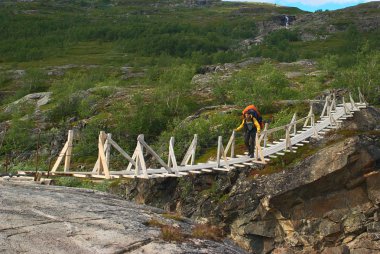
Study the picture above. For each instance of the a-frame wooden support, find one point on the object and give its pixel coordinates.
(172, 161)
(102, 163)
(347, 112)
(139, 160)
(231, 146)
(259, 156)
(221, 153)
(293, 124)
(190, 153)
(362, 100)
(353, 104)
(288, 141)
(66, 153)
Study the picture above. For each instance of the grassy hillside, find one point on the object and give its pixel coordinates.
(129, 67)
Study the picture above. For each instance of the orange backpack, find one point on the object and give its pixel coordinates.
(256, 114)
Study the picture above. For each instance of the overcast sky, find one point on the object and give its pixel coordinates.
(311, 5)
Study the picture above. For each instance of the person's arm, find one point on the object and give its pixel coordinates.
(240, 126)
(256, 124)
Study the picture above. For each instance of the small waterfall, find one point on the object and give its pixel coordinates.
(286, 21)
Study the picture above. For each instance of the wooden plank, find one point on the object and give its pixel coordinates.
(273, 156)
(239, 165)
(172, 175)
(299, 144)
(195, 172)
(258, 162)
(206, 170)
(279, 153)
(222, 169)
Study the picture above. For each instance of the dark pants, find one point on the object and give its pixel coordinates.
(249, 140)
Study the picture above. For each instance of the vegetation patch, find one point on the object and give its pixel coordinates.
(206, 231)
(173, 216)
(171, 233)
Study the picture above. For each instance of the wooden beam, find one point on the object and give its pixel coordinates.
(69, 151)
(60, 157)
(122, 152)
(155, 155)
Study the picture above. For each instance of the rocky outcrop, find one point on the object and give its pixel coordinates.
(47, 219)
(326, 201)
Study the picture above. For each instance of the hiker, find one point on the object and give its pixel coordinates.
(251, 126)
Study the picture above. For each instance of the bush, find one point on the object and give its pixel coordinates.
(205, 231)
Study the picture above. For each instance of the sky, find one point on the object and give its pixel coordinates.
(311, 5)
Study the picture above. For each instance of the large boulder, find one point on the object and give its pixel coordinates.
(52, 219)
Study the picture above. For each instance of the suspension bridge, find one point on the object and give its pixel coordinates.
(270, 143)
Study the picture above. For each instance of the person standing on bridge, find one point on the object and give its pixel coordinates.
(251, 126)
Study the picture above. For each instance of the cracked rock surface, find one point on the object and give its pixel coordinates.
(52, 219)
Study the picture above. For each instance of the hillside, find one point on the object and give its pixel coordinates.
(183, 67)
(107, 65)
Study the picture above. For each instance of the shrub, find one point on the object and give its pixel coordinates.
(205, 231)
(171, 233)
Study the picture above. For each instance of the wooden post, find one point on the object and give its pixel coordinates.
(288, 143)
(134, 157)
(309, 116)
(221, 153)
(293, 124)
(362, 100)
(66, 150)
(331, 117)
(60, 157)
(108, 149)
(219, 149)
(103, 167)
(315, 132)
(140, 161)
(325, 107)
(347, 111)
(333, 103)
(353, 106)
(171, 158)
(258, 150)
(190, 154)
(265, 134)
(69, 151)
(231, 145)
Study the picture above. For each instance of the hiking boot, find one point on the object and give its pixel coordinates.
(251, 155)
